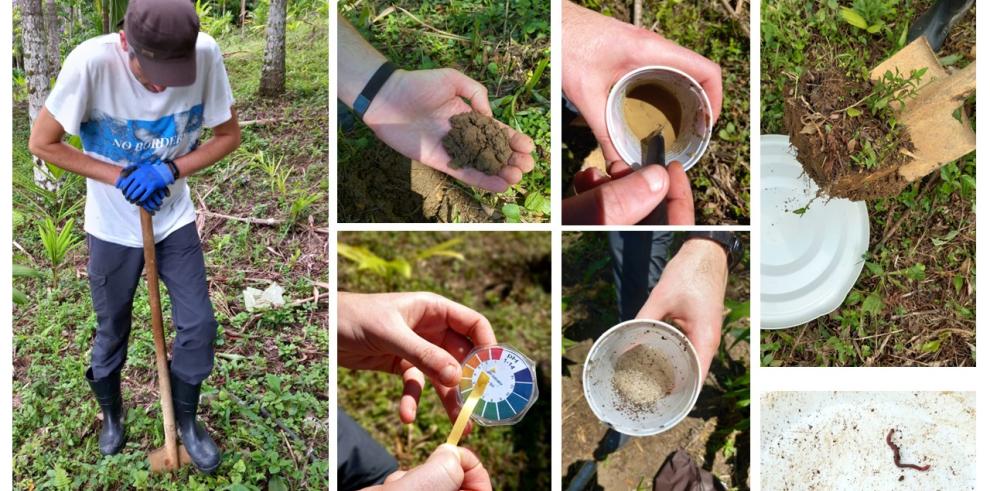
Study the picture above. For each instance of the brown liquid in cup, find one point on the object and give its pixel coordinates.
(648, 108)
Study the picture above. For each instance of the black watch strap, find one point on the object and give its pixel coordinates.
(363, 101)
(726, 239)
(174, 168)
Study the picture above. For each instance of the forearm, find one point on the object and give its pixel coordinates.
(71, 159)
(357, 61)
(226, 138)
(710, 258)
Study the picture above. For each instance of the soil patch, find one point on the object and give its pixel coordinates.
(827, 138)
(477, 141)
(641, 378)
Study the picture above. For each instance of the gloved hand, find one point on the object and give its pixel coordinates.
(139, 182)
(154, 202)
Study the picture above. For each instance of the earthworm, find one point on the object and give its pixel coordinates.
(897, 455)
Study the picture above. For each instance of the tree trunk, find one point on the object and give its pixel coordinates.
(36, 69)
(273, 67)
(243, 12)
(106, 15)
(54, 38)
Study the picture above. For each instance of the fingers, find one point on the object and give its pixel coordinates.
(470, 89)
(523, 161)
(706, 72)
(476, 477)
(462, 319)
(441, 472)
(395, 476)
(680, 203)
(412, 388)
(622, 201)
(519, 142)
(511, 174)
(448, 397)
(589, 178)
(478, 179)
(432, 360)
(705, 337)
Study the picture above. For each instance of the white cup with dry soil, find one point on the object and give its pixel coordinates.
(662, 100)
(642, 377)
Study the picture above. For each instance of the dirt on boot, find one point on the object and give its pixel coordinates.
(477, 141)
(828, 139)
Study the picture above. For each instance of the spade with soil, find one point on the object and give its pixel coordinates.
(933, 127)
(477, 141)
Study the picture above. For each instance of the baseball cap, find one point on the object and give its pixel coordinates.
(163, 34)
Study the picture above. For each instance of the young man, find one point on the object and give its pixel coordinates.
(139, 100)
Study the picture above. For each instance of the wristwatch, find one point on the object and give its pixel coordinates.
(728, 241)
(174, 168)
(363, 101)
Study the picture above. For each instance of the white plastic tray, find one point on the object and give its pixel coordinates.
(809, 262)
(837, 440)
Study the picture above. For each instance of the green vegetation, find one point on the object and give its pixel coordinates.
(505, 48)
(506, 277)
(914, 303)
(270, 366)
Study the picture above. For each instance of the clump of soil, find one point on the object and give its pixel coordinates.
(827, 138)
(477, 141)
(641, 378)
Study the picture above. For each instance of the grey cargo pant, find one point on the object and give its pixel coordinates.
(638, 260)
(114, 272)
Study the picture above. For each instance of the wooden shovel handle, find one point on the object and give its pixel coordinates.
(158, 332)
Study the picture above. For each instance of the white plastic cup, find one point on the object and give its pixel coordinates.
(694, 129)
(684, 371)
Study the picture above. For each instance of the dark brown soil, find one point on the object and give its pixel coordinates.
(827, 138)
(477, 141)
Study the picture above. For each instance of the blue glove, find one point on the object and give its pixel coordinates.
(139, 182)
(154, 202)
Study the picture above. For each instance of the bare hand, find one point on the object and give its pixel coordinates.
(411, 114)
(691, 294)
(411, 334)
(628, 197)
(450, 468)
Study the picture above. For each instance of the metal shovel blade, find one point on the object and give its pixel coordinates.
(161, 461)
(933, 117)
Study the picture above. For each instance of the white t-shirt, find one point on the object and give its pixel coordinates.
(121, 122)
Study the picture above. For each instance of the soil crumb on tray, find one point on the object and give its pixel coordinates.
(848, 156)
(641, 378)
(477, 141)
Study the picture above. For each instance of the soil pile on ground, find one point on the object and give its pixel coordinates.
(477, 141)
(641, 378)
(827, 137)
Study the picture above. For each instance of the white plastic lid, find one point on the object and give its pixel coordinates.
(808, 261)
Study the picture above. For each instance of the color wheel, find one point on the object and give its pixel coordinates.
(511, 390)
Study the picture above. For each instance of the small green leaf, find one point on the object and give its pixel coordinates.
(537, 203)
(873, 304)
(957, 114)
(493, 68)
(874, 268)
(949, 60)
(511, 212)
(801, 211)
(957, 282)
(932, 346)
(875, 28)
(853, 18)
(916, 272)
(852, 112)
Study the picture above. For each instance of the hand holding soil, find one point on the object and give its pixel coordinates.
(477, 141)
(412, 114)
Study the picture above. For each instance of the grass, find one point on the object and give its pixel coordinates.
(721, 181)
(914, 304)
(506, 49)
(269, 367)
(717, 431)
(504, 276)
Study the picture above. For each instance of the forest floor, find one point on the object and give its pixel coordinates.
(501, 48)
(270, 367)
(915, 301)
(715, 433)
(506, 277)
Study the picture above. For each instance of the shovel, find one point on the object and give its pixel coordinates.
(172, 455)
(934, 117)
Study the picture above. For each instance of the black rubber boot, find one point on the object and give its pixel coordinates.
(107, 391)
(936, 22)
(204, 453)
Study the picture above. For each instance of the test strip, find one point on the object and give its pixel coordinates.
(467, 409)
